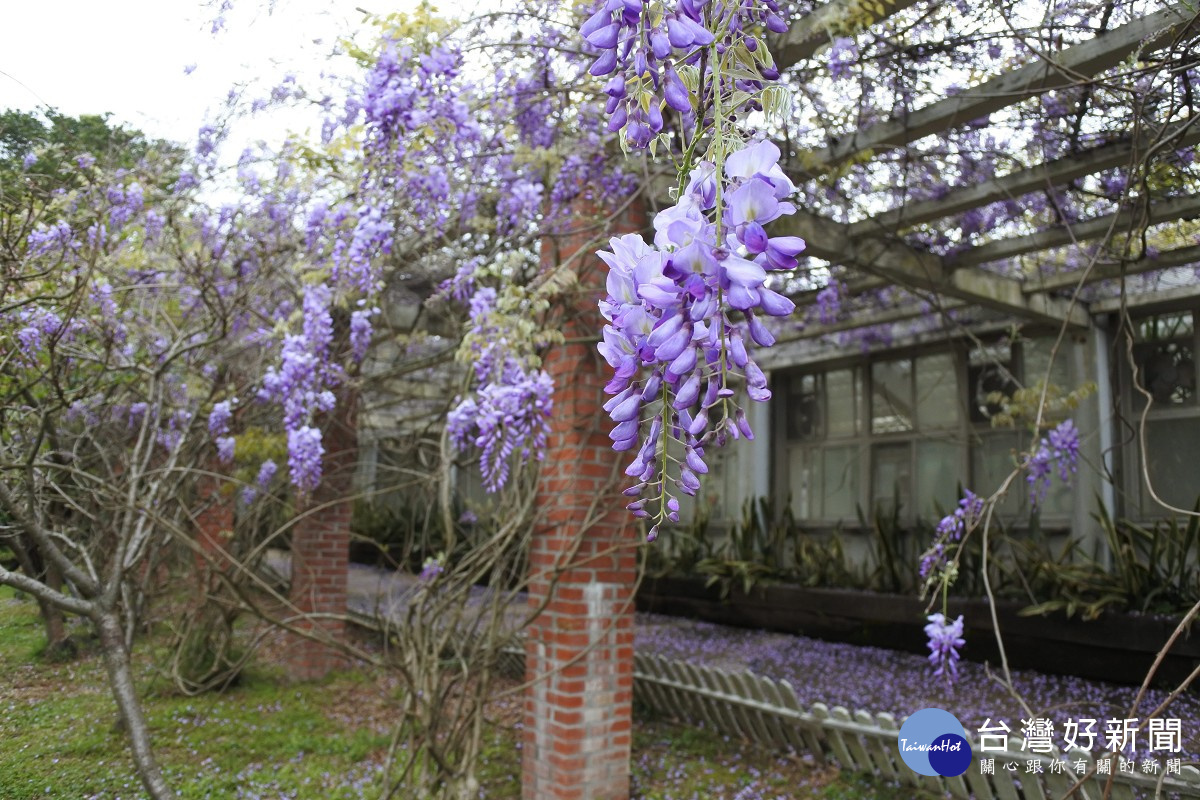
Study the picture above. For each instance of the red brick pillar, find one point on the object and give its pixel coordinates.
(579, 650)
(321, 547)
(214, 527)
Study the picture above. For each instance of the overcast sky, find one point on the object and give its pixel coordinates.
(129, 57)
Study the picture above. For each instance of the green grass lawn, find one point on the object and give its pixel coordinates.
(266, 738)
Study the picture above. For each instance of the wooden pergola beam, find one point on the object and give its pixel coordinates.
(1024, 181)
(866, 284)
(900, 264)
(1162, 296)
(1082, 61)
(1175, 257)
(1176, 208)
(810, 33)
(882, 318)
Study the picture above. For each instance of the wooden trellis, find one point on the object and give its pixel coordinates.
(875, 248)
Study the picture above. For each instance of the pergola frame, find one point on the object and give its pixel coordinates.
(876, 248)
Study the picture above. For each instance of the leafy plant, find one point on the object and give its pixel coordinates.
(404, 533)
(754, 550)
(1152, 570)
(893, 552)
(822, 562)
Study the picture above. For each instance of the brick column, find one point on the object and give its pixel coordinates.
(321, 546)
(214, 526)
(579, 650)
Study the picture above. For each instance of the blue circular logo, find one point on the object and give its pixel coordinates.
(933, 742)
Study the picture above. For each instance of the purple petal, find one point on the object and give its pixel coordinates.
(684, 363)
(677, 344)
(688, 393)
(758, 332)
(604, 38)
(624, 430)
(627, 410)
(741, 297)
(754, 237)
(675, 93)
(605, 64)
(596, 22)
(660, 44)
(774, 303)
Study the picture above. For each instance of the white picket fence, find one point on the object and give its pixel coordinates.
(767, 712)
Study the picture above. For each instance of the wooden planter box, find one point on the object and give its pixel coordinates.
(1115, 647)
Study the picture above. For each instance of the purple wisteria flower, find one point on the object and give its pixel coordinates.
(360, 333)
(54, 238)
(431, 569)
(225, 448)
(945, 638)
(642, 44)
(842, 56)
(950, 531)
(302, 384)
(829, 302)
(1059, 448)
(266, 473)
(1064, 447)
(220, 417)
(507, 416)
(679, 313)
(304, 457)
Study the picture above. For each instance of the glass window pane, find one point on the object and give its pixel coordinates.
(840, 481)
(891, 477)
(1174, 469)
(1060, 497)
(720, 495)
(802, 408)
(1166, 326)
(1036, 355)
(939, 472)
(989, 371)
(937, 391)
(891, 396)
(991, 463)
(1167, 371)
(841, 402)
(986, 381)
(803, 482)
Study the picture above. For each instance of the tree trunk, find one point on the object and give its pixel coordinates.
(33, 565)
(120, 677)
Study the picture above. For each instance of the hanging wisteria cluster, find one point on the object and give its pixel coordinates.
(509, 413)
(684, 311)
(945, 639)
(302, 386)
(950, 531)
(680, 314)
(457, 163)
(646, 45)
(1058, 449)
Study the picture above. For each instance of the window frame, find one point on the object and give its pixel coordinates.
(1138, 504)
